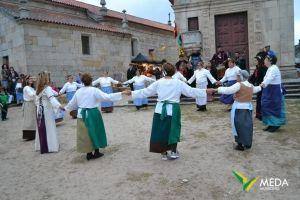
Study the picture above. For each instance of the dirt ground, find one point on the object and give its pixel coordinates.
(129, 171)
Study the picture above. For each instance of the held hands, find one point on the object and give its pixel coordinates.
(211, 91)
(218, 83)
(126, 92)
(262, 85)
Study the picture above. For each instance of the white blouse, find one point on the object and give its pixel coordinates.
(90, 97)
(28, 93)
(273, 76)
(201, 76)
(139, 80)
(231, 74)
(234, 89)
(168, 90)
(48, 94)
(179, 76)
(105, 81)
(70, 87)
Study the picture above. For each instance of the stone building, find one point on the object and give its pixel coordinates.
(67, 36)
(245, 26)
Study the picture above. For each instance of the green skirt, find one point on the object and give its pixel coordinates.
(90, 131)
(160, 134)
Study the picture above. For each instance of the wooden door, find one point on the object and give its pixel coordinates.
(232, 34)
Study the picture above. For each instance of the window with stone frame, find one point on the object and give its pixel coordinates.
(85, 41)
(193, 24)
(134, 47)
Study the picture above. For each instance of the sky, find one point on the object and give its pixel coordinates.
(158, 10)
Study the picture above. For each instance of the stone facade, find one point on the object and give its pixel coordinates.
(270, 22)
(36, 45)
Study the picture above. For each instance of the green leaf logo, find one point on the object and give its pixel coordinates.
(247, 184)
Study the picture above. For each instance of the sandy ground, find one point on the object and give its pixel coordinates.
(129, 171)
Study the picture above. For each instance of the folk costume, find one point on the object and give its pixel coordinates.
(106, 87)
(201, 76)
(138, 84)
(46, 140)
(70, 89)
(272, 100)
(91, 133)
(230, 79)
(241, 112)
(166, 127)
(29, 113)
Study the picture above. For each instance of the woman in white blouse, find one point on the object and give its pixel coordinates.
(166, 125)
(272, 99)
(229, 77)
(139, 83)
(70, 88)
(29, 110)
(241, 113)
(201, 75)
(46, 140)
(105, 83)
(91, 133)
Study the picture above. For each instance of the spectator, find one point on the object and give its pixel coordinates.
(219, 57)
(12, 81)
(240, 61)
(4, 76)
(3, 103)
(269, 51)
(19, 91)
(78, 78)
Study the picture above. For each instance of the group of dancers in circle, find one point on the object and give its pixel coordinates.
(41, 103)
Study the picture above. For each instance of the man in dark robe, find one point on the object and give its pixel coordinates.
(131, 72)
(240, 61)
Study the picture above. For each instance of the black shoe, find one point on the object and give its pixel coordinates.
(267, 128)
(97, 154)
(89, 156)
(239, 147)
(273, 129)
(247, 147)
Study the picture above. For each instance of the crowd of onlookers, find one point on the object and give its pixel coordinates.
(12, 84)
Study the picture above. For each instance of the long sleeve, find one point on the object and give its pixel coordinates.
(211, 78)
(79, 85)
(72, 105)
(52, 99)
(192, 92)
(30, 93)
(101, 96)
(268, 77)
(129, 81)
(256, 89)
(192, 79)
(113, 81)
(146, 92)
(63, 90)
(182, 78)
(224, 77)
(149, 79)
(230, 90)
(94, 83)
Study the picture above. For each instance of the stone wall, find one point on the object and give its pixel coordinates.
(269, 22)
(162, 41)
(12, 43)
(58, 49)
